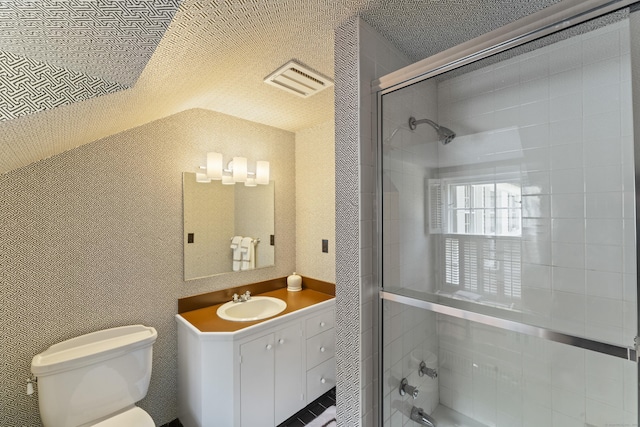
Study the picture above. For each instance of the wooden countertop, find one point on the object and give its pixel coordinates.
(206, 319)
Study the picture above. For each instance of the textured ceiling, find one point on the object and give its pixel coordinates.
(214, 54)
(108, 39)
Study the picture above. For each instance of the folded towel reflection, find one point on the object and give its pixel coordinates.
(247, 251)
(326, 419)
(237, 252)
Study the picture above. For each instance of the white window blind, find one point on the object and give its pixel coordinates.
(452, 261)
(487, 266)
(435, 206)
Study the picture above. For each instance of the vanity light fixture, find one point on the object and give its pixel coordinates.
(236, 171)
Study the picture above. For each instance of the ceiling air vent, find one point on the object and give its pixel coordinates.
(297, 79)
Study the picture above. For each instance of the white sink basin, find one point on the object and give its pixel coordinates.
(257, 308)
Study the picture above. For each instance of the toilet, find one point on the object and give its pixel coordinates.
(96, 379)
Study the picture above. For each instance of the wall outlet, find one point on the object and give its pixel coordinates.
(325, 246)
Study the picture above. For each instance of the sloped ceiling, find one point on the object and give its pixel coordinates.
(126, 63)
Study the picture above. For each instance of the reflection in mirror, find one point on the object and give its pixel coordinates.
(214, 214)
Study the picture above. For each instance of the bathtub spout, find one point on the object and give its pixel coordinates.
(422, 418)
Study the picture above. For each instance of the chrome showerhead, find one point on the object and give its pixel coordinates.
(445, 134)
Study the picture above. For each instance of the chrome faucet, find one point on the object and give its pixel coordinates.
(405, 388)
(418, 415)
(430, 372)
(242, 298)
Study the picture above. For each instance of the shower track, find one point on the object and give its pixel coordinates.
(628, 353)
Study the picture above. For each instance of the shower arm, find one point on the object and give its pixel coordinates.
(413, 123)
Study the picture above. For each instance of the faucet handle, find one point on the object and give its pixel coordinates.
(236, 298)
(247, 296)
(430, 372)
(406, 388)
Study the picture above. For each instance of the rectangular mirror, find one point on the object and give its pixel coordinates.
(214, 214)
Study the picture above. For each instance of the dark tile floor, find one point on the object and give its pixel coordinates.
(312, 410)
(300, 419)
(174, 423)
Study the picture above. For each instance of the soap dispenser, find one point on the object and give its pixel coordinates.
(294, 282)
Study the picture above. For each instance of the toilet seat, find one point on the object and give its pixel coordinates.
(134, 417)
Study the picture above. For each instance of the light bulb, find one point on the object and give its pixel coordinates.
(239, 169)
(262, 172)
(214, 165)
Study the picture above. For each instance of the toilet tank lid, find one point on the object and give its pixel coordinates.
(92, 348)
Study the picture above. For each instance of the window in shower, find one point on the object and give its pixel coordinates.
(484, 208)
(483, 223)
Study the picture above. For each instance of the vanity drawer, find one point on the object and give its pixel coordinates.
(320, 323)
(321, 379)
(321, 347)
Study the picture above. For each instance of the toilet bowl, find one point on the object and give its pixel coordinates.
(132, 417)
(96, 379)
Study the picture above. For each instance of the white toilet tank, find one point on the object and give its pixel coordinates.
(87, 379)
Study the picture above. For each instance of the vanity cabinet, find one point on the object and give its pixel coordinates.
(256, 376)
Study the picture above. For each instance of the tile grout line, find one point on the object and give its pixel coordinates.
(298, 420)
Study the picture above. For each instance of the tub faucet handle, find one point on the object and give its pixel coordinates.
(405, 388)
(430, 372)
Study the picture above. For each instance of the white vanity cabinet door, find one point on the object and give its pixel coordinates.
(272, 377)
(257, 382)
(289, 372)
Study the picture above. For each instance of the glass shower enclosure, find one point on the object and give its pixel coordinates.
(508, 228)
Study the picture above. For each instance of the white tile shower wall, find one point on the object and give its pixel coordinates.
(571, 102)
(412, 339)
(407, 165)
(578, 252)
(504, 379)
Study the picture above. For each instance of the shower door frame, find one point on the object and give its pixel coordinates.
(552, 19)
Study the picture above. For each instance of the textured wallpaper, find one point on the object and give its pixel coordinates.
(362, 55)
(348, 315)
(108, 39)
(55, 53)
(316, 201)
(28, 86)
(92, 238)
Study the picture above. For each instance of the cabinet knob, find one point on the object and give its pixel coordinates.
(322, 324)
(269, 347)
(281, 341)
(322, 380)
(322, 349)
